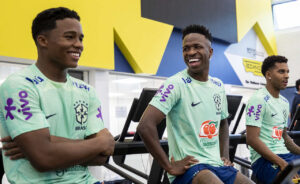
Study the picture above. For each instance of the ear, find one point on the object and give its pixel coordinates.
(211, 50)
(42, 40)
(268, 75)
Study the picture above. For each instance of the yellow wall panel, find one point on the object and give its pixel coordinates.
(256, 14)
(143, 40)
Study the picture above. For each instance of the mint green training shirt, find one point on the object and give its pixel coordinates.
(271, 116)
(30, 101)
(193, 112)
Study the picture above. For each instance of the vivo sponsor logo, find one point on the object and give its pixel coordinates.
(258, 111)
(25, 110)
(164, 92)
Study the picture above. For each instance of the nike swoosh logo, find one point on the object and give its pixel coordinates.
(47, 117)
(194, 104)
(273, 115)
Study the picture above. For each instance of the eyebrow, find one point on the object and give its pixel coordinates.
(73, 32)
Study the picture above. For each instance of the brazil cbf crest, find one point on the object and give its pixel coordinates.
(81, 111)
(218, 103)
(208, 129)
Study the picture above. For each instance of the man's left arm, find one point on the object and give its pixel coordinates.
(14, 151)
(95, 128)
(224, 142)
(289, 143)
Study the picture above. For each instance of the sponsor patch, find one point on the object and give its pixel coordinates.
(208, 129)
(164, 92)
(23, 109)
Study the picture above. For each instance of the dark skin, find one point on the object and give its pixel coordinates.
(196, 52)
(277, 79)
(58, 50)
(148, 132)
(13, 151)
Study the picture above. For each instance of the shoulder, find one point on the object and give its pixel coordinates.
(178, 79)
(20, 79)
(260, 96)
(283, 99)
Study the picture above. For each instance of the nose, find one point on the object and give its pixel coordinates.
(287, 75)
(191, 51)
(78, 44)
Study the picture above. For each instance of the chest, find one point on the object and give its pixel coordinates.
(66, 109)
(203, 99)
(276, 113)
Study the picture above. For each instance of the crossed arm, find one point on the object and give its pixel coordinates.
(46, 152)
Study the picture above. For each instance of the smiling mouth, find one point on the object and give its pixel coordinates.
(75, 55)
(193, 60)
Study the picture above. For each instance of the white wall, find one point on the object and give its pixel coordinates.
(99, 80)
(288, 45)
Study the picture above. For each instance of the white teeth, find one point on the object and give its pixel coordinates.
(75, 54)
(193, 60)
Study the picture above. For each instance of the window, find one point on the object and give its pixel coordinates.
(286, 14)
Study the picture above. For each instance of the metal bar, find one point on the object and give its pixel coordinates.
(122, 173)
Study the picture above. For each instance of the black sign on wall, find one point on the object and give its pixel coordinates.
(219, 16)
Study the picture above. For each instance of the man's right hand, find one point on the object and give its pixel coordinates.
(12, 150)
(107, 142)
(283, 165)
(179, 167)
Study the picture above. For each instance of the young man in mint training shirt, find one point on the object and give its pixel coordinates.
(266, 119)
(51, 123)
(195, 108)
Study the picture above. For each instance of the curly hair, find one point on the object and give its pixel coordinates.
(270, 62)
(297, 84)
(46, 20)
(197, 29)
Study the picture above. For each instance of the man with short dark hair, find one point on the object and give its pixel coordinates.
(51, 118)
(296, 101)
(266, 120)
(195, 108)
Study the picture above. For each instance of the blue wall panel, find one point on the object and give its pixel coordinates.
(220, 66)
(172, 61)
(121, 64)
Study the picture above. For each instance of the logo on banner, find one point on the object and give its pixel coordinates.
(253, 66)
(208, 129)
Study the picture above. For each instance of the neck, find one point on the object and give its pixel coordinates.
(201, 76)
(51, 71)
(273, 91)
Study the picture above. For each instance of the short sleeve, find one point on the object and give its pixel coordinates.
(166, 97)
(224, 113)
(20, 106)
(286, 115)
(255, 111)
(95, 117)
